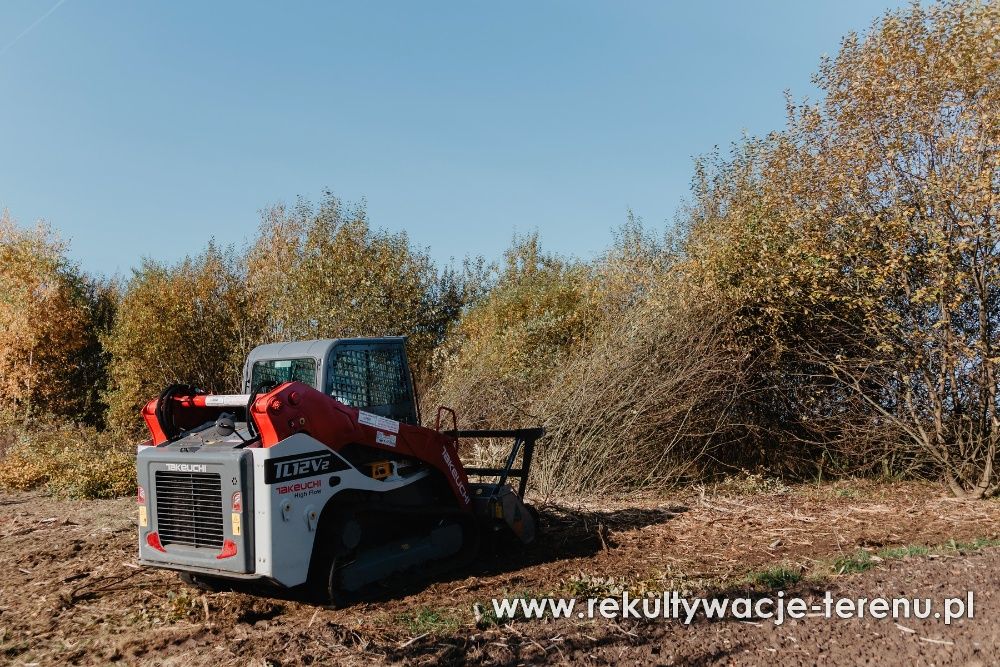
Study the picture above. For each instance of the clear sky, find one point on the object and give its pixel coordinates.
(140, 128)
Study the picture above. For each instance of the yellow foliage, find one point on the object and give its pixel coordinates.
(49, 357)
(177, 323)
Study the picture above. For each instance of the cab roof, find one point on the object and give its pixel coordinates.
(317, 349)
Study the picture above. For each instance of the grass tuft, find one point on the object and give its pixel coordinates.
(775, 577)
(909, 551)
(862, 560)
(974, 545)
(859, 561)
(427, 621)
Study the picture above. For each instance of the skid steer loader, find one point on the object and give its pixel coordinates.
(320, 475)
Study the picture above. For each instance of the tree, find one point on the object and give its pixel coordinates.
(185, 322)
(50, 359)
(323, 272)
(914, 112)
(860, 245)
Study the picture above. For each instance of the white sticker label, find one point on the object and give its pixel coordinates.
(378, 421)
(385, 439)
(227, 400)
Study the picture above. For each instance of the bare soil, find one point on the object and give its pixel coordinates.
(71, 593)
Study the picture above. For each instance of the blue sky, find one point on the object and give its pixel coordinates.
(145, 129)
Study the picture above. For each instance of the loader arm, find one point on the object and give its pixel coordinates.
(294, 407)
(298, 408)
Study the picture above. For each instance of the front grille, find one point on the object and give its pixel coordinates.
(189, 508)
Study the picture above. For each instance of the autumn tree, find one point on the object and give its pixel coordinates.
(50, 316)
(860, 249)
(324, 272)
(184, 322)
(914, 112)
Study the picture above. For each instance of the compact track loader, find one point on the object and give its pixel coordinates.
(320, 476)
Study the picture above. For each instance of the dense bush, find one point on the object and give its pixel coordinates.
(323, 272)
(79, 462)
(176, 323)
(630, 375)
(538, 310)
(646, 404)
(859, 249)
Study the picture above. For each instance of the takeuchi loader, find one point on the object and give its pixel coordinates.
(320, 476)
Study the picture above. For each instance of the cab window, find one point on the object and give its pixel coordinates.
(349, 377)
(280, 371)
(369, 377)
(386, 377)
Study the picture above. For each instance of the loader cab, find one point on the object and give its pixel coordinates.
(372, 374)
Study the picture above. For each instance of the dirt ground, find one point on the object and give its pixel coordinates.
(72, 593)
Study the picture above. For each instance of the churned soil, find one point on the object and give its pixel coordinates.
(72, 593)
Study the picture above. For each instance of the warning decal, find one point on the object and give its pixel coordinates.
(378, 421)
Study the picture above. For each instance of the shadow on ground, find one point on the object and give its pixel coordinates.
(566, 532)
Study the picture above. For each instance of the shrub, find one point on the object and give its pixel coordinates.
(775, 578)
(323, 272)
(539, 308)
(77, 462)
(641, 407)
(633, 389)
(501, 354)
(859, 561)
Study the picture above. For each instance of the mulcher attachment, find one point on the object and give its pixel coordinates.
(498, 500)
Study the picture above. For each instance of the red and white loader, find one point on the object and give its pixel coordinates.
(320, 475)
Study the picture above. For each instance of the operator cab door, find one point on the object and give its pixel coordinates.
(372, 376)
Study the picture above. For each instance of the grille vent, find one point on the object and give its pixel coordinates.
(189, 509)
